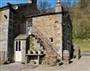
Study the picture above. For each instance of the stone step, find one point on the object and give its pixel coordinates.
(35, 52)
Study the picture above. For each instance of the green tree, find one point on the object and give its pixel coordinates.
(80, 19)
(85, 4)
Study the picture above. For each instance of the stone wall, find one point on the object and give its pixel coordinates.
(4, 21)
(67, 33)
(50, 26)
(13, 23)
(16, 27)
(23, 46)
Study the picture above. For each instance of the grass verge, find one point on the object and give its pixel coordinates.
(83, 44)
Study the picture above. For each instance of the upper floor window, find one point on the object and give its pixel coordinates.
(28, 26)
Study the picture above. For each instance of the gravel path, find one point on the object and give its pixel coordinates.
(82, 65)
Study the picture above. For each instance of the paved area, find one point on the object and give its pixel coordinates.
(82, 65)
(85, 54)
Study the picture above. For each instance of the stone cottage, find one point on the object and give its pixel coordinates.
(51, 31)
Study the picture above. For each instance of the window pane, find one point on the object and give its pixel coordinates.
(19, 46)
(16, 46)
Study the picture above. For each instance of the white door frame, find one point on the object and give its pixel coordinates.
(18, 53)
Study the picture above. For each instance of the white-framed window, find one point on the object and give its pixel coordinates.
(18, 46)
(28, 27)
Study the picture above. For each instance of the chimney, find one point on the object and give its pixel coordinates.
(34, 2)
(58, 6)
(29, 1)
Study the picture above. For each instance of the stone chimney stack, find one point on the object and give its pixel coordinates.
(34, 2)
(29, 1)
(58, 6)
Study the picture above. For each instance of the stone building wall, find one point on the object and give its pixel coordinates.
(13, 31)
(51, 28)
(54, 27)
(12, 23)
(23, 45)
(4, 21)
(67, 32)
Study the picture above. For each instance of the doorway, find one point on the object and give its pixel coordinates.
(18, 54)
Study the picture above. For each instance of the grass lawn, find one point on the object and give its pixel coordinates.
(84, 45)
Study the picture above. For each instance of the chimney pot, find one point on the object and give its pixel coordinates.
(33, 1)
(58, 6)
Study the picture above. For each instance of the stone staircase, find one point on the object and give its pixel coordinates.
(51, 55)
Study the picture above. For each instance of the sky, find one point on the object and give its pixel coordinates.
(53, 2)
(4, 2)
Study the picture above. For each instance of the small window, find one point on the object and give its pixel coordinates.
(51, 39)
(5, 16)
(56, 21)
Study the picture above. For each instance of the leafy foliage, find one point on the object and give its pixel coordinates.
(80, 19)
(80, 15)
(32, 46)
